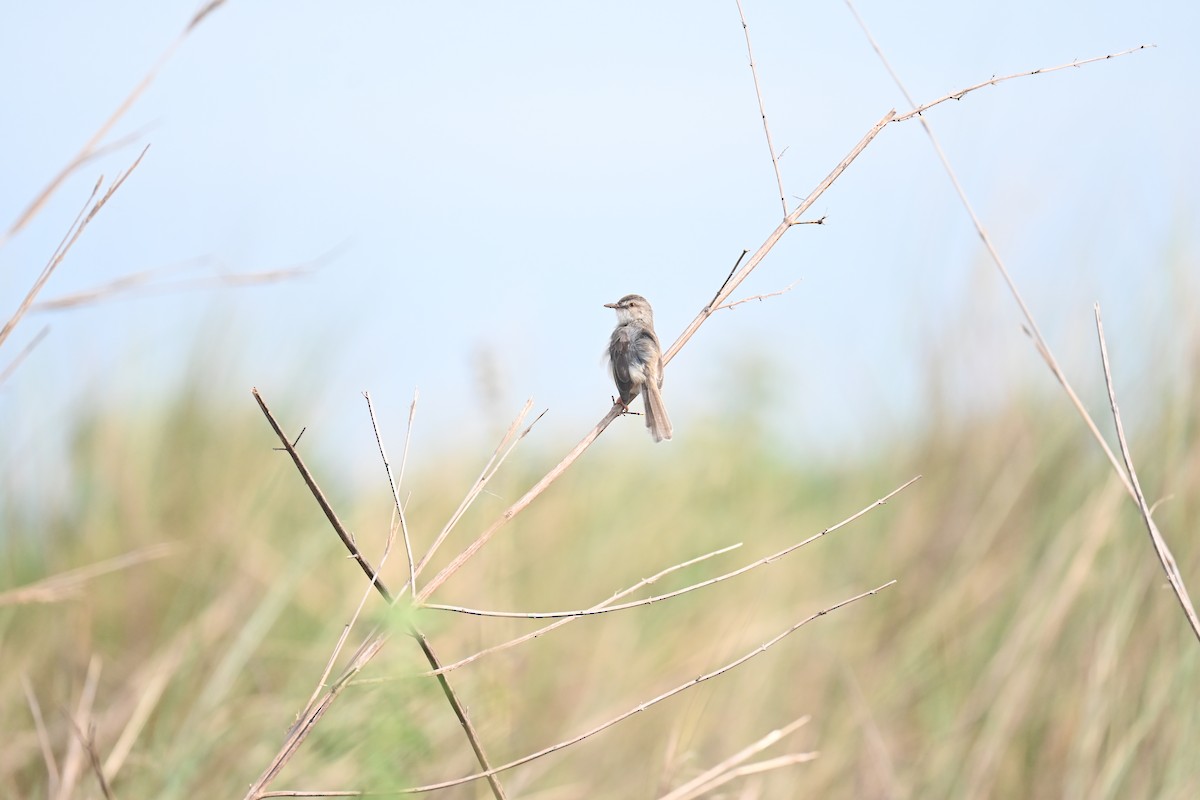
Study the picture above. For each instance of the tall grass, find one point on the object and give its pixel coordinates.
(1031, 647)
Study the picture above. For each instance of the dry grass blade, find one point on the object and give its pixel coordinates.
(603, 609)
(93, 148)
(69, 241)
(73, 762)
(39, 724)
(1160, 544)
(65, 585)
(710, 779)
(601, 727)
(21, 356)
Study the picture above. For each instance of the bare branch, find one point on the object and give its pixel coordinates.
(1160, 544)
(594, 610)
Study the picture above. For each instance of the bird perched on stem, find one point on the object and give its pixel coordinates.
(635, 357)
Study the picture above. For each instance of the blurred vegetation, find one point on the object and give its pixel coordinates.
(1030, 649)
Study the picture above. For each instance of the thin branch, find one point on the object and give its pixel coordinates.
(711, 778)
(92, 148)
(21, 356)
(762, 109)
(993, 81)
(760, 297)
(412, 412)
(604, 725)
(594, 610)
(1160, 544)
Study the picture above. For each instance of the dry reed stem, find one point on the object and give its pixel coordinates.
(57, 588)
(595, 610)
(92, 148)
(597, 729)
(1160, 545)
(412, 412)
(753, 768)
(21, 356)
(617, 596)
(700, 784)
(617, 409)
(39, 725)
(762, 109)
(72, 235)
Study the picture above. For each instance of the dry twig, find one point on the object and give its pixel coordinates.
(762, 109)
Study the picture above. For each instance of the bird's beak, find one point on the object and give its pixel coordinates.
(610, 305)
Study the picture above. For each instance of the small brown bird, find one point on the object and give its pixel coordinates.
(635, 357)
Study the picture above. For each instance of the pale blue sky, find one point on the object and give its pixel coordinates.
(493, 173)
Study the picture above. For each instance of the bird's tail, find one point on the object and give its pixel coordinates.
(657, 420)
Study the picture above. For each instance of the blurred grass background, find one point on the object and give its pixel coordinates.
(1030, 649)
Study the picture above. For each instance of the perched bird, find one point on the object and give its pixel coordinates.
(635, 357)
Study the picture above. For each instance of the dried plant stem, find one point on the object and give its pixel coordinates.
(412, 412)
(762, 109)
(7, 372)
(89, 744)
(92, 148)
(722, 773)
(68, 584)
(594, 610)
(73, 233)
(1160, 544)
(39, 725)
(597, 729)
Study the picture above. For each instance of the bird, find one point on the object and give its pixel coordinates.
(635, 357)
